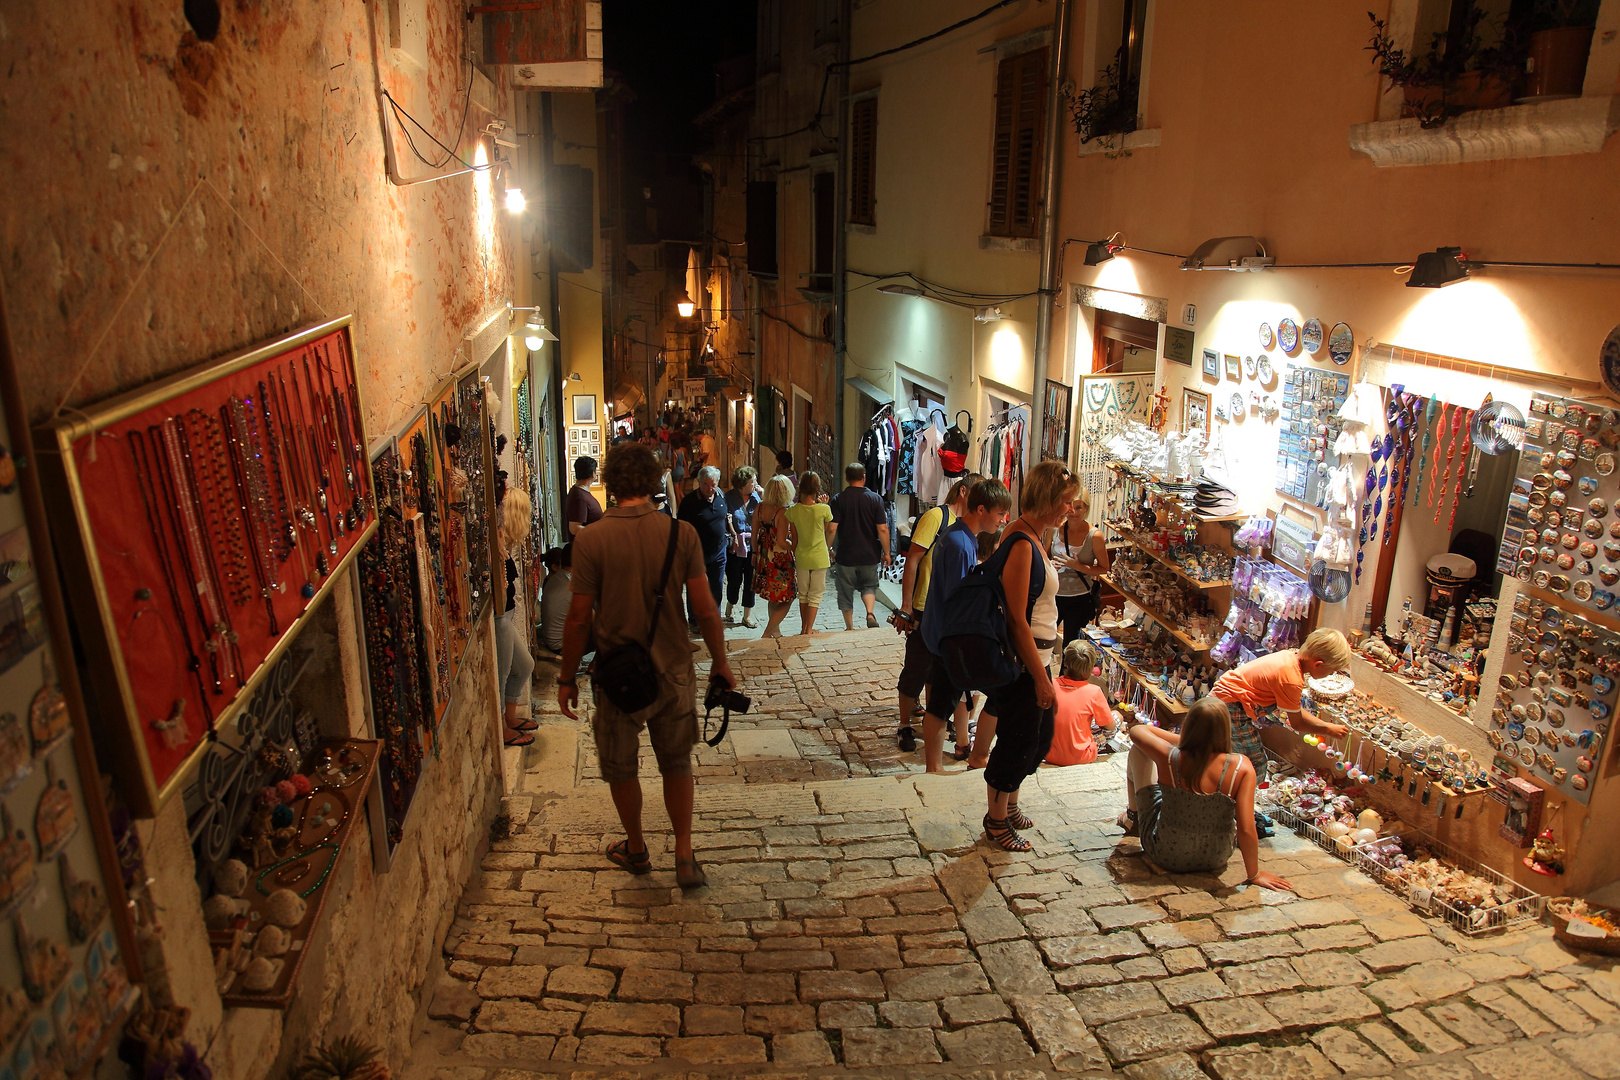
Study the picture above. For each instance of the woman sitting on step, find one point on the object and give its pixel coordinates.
(1204, 798)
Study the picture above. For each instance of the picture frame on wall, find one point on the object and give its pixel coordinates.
(1178, 345)
(1212, 364)
(1234, 366)
(584, 408)
(1195, 411)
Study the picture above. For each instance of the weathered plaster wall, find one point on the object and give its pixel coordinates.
(170, 200)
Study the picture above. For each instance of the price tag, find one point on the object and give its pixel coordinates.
(1420, 897)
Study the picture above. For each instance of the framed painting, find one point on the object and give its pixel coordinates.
(1195, 412)
(1212, 364)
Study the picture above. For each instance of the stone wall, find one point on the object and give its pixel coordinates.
(176, 199)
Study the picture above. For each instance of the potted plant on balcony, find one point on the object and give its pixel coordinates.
(1458, 72)
(1560, 39)
(1107, 110)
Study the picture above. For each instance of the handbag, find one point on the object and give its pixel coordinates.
(626, 673)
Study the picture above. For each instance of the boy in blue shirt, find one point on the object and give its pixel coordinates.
(955, 553)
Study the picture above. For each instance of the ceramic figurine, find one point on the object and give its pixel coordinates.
(55, 821)
(45, 963)
(1546, 855)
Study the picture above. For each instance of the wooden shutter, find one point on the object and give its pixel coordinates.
(1015, 160)
(863, 162)
(761, 227)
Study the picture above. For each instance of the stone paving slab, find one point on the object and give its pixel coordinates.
(861, 921)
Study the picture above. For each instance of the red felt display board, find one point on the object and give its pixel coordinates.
(116, 480)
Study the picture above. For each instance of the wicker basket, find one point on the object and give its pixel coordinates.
(1607, 946)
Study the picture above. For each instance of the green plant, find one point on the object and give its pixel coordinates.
(1452, 58)
(1109, 107)
(344, 1058)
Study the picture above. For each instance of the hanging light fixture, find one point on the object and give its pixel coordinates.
(535, 334)
(900, 290)
(1100, 251)
(1229, 253)
(684, 306)
(1438, 268)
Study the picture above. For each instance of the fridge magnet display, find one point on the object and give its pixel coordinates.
(45, 963)
(1310, 335)
(1267, 339)
(1195, 412)
(1341, 343)
(55, 820)
(18, 873)
(1212, 364)
(48, 720)
(1288, 335)
(1234, 366)
(15, 761)
(199, 518)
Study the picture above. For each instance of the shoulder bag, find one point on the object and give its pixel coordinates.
(626, 673)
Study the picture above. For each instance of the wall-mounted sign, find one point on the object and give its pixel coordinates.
(1178, 345)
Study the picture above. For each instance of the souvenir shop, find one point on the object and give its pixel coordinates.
(1457, 522)
(284, 623)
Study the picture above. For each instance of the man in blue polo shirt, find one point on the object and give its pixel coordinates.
(955, 553)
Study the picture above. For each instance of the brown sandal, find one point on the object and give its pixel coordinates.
(637, 862)
(1003, 836)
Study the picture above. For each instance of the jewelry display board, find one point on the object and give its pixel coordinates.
(444, 437)
(474, 457)
(1058, 407)
(422, 504)
(265, 909)
(64, 987)
(1310, 424)
(1107, 404)
(1561, 516)
(198, 518)
(1555, 702)
(397, 661)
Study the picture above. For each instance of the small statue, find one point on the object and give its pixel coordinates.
(1546, 855)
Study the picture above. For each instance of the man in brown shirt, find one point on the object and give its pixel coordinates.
(617, 563)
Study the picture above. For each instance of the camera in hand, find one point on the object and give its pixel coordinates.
(721, 696)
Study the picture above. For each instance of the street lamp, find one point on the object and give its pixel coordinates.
(515, 202)
(684, 306)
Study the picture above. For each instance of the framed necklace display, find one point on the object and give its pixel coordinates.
(422, 505)
(199, 517)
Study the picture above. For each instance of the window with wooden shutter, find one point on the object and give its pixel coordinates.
(1015, 161)
(863, 162)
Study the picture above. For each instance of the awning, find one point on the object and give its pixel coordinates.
(882, 397)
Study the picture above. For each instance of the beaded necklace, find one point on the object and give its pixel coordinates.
(252, 498)
(179, 487)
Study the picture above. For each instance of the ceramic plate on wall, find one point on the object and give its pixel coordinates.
(1265, 369)
(1341, 343)
(1311, 335)
(1288, 335)
(1251, 367)
(1609, 361)
(1266, 338)
(1237, 405)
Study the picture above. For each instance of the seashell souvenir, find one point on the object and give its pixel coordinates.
(284, 908)
(45, 963)
(272, 941)
(220, 911)
(261, 975)
(231, 877)
(55, 820)
(86, 903)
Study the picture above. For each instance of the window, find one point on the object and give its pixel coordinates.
(863, 162)
(770, 36)
(762, 227)
(1015, 158)
(823, 214)
(826, 22)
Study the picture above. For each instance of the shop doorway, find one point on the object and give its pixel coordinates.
(1123, 344)
(799, 430)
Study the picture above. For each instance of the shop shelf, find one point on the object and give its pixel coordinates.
(1522, 909)
(1301, 826)
(1168, 624)
(1175, 708)
(1164, 560)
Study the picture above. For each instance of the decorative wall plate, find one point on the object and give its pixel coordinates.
(1288, 335)
(1265, 369)
(1311, 335)
(1251, 367)
(1267, 339)
(1609, 361)
(1237, 405)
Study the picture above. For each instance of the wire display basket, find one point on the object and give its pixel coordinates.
(1302, 826)
(1517, 905)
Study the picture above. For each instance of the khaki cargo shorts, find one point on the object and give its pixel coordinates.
(671, 724)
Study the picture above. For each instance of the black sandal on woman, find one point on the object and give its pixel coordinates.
(1003, 836)
(1017, 819)
(637, 862)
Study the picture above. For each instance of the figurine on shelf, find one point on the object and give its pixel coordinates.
(1546, 855)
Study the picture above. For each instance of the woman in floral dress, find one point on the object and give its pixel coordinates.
(773, 553)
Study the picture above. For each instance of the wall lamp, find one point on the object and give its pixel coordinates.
(988, 314)
(535, 334)
(1229, 253)
(1100, 251)
(1438, 268)
(900, 290)
(515, 202)
(684, 305)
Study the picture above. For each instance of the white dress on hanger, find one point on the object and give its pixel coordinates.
(929, 471)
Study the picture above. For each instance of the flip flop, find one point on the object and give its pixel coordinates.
(526, 725)
(620, 855)
(520, 740)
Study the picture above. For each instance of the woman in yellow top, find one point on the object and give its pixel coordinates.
(810, 520)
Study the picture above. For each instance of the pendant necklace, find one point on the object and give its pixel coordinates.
(1451, 462)
(251, 498)
(323, 478)
(198, 565)
(1422, 456)
(1439, 440)
(1468, 450)
(292, 481)
(317, 497)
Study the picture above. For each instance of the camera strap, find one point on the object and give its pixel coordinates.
(725, 722)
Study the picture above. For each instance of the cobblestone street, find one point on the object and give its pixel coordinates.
(856, 919)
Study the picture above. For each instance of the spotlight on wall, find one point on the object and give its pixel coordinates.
(900, 290)
(684, 306)
(1438, 268)
(1229, 253)
(987, 314)
(1100, 251)
(535, 334)
(515, 202)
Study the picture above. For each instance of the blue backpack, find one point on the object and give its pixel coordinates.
(973, 638)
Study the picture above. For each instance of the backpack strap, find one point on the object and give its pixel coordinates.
(663, 580)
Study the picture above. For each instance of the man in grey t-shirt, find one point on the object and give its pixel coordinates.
(863, 543)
